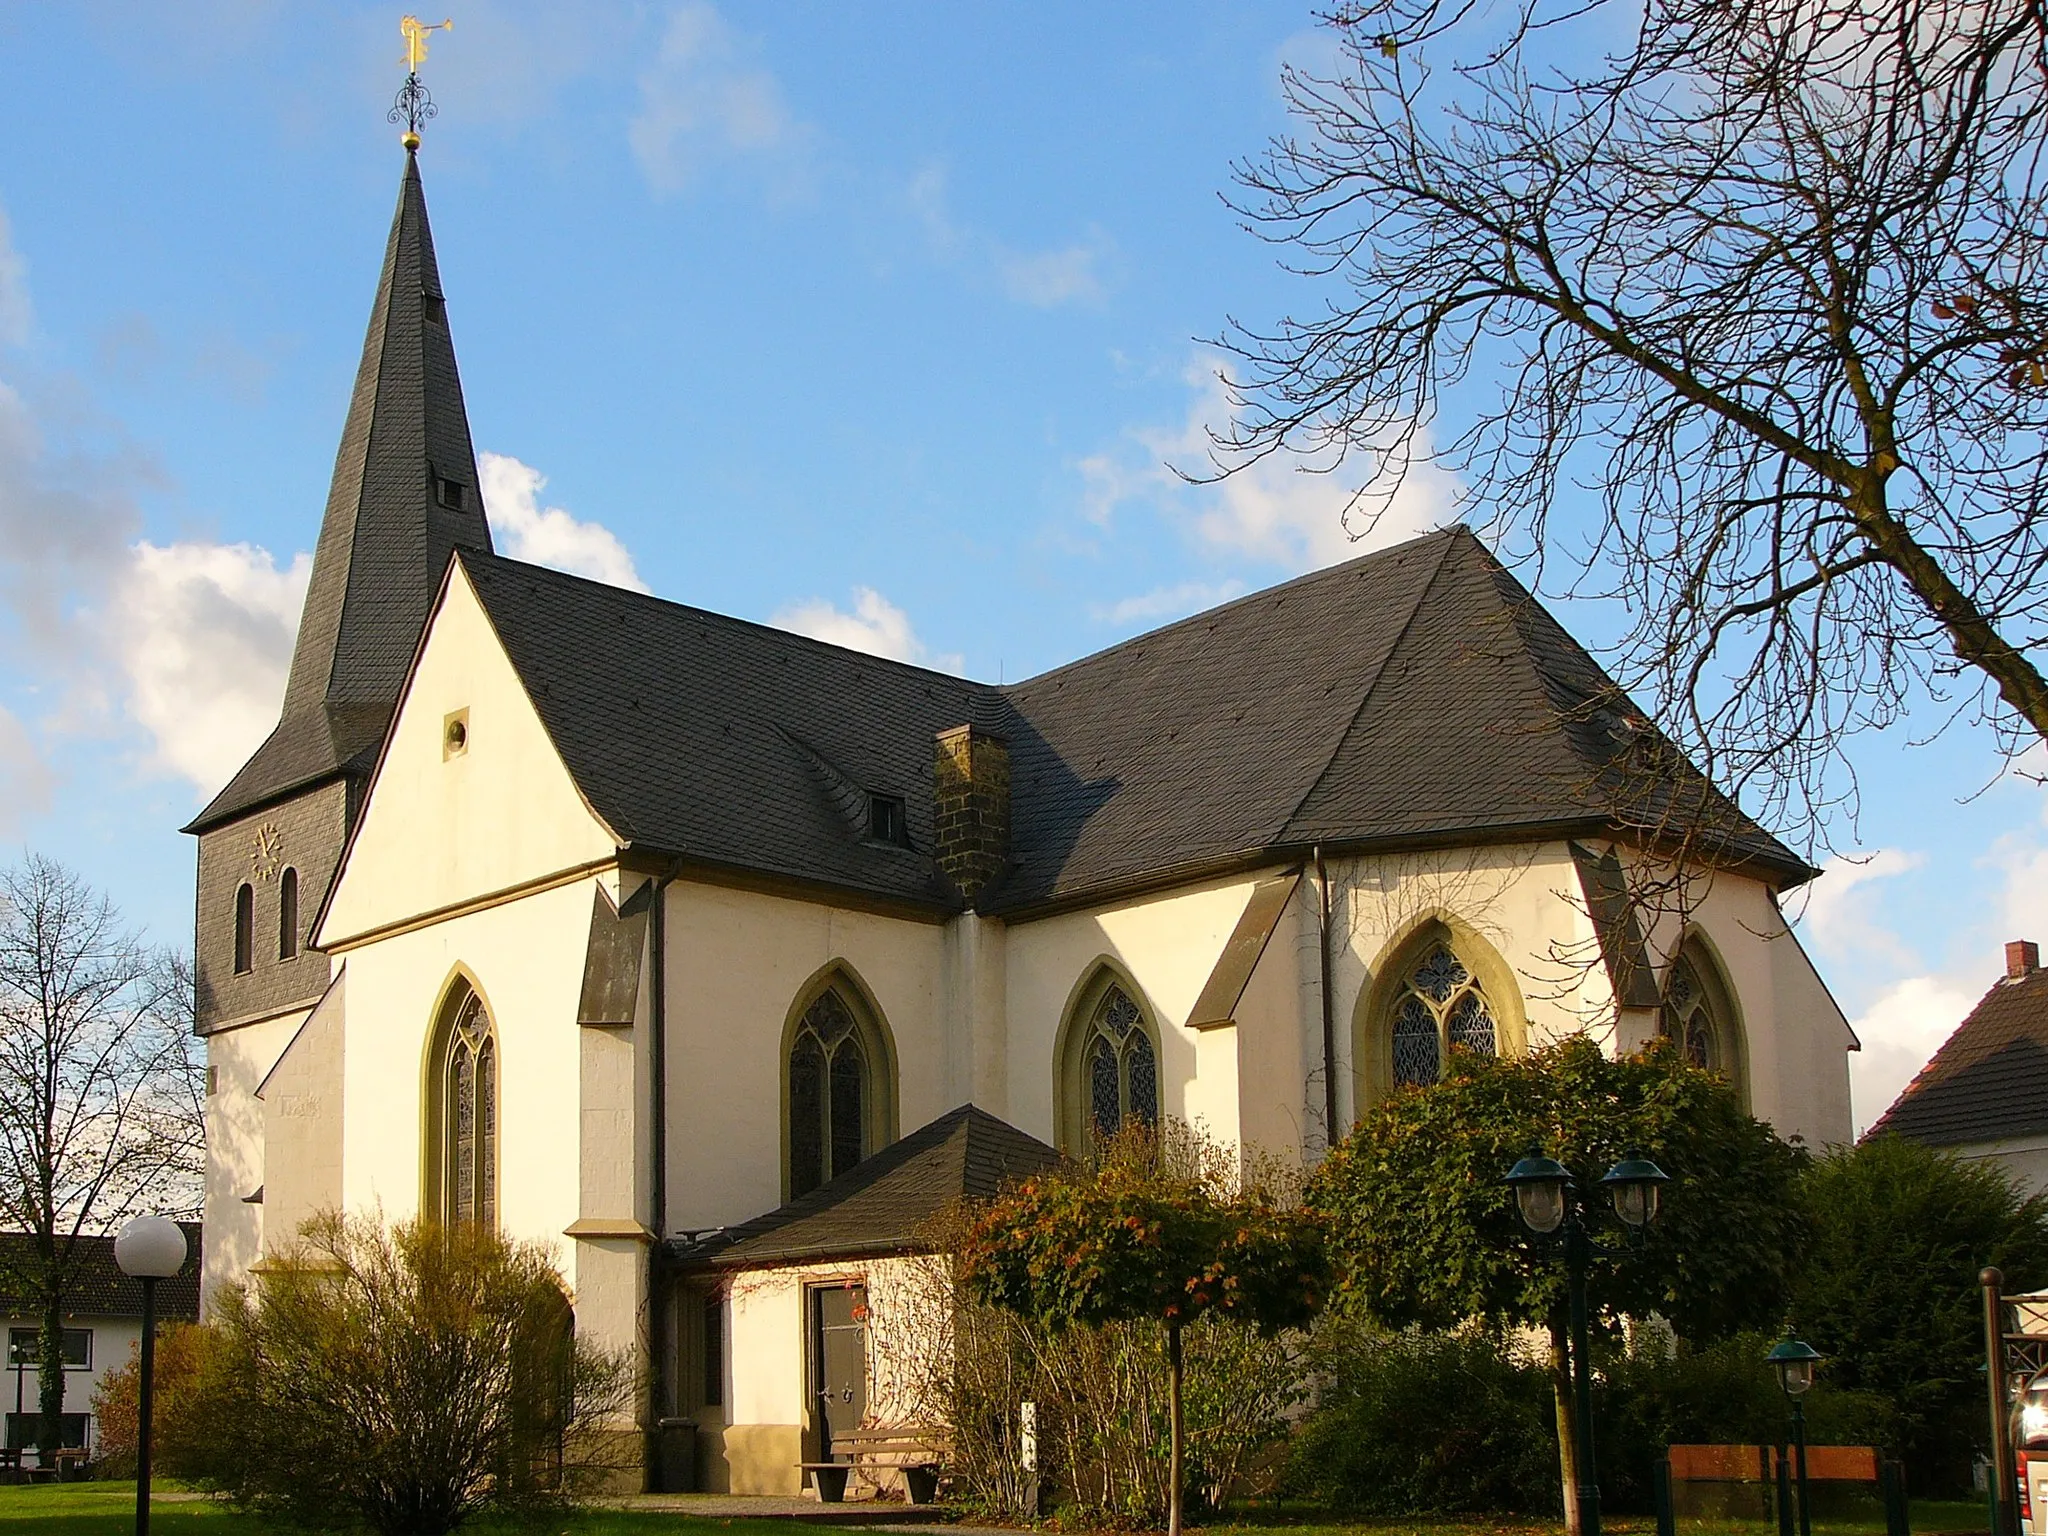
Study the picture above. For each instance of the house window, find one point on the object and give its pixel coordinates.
(713, 1322)
(24, 1428)
(288, 915)
(886, 822)
(465, 1114)
(245, 930)
(1109, 1067)
(1699, 1014)
(1440, 1006)
(25, 1348)
(840, 1087)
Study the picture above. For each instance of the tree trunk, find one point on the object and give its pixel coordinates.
(1173, 1422)
(1567, 1428)
(50, 1377)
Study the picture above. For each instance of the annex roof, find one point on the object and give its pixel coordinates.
(405, 493)
(1989, 1080)
(99, 1289)
(1417, 694)
(886, 1203)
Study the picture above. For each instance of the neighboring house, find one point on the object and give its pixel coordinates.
(1985, 1092)
(616, 922)
(102, 1326)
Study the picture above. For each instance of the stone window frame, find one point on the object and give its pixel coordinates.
(870, 1028)
(1081, 1026)
(1711, 1010)
(288, 944)
(1387, 987)
(463, 1001)
(245, 929)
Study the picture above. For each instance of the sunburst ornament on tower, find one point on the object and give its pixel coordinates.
(413, 105)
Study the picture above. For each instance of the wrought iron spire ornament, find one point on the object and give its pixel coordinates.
(413, 105)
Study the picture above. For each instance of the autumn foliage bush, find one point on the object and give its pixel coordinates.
(176, 1432)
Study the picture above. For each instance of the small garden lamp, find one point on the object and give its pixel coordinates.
(149, 1249)
(1794, 1360)
(1633, 1183)
(1540, 1184)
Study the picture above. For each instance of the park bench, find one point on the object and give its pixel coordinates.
(915, 1451)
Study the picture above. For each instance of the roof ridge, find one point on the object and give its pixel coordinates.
(1343, 732)
(732, 620)
(1259, 594)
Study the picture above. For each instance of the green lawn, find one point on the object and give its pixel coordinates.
(108, 1509)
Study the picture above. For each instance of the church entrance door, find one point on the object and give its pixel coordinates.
(839, 1361)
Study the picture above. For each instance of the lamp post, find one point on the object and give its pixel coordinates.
(1794, 1360)
(1547, 1197)
(149, 1249)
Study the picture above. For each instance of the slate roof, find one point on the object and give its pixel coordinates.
(1414, 695)
(385, 537)
(1989, 1080)
(886, 1203)
(100, 1289)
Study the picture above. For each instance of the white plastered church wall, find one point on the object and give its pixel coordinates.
(737, 964)
(237, 1062)
(481, 865)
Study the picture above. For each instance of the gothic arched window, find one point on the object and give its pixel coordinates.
(1440, 1005)
(1110, 1067)
(288, 915)
(1700, 1016)
(838, 1090)
(465, 1113)
(245, 930)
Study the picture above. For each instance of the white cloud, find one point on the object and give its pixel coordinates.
(1279, 510)
(1167, 602)
(1047, 279)
(25, 779)
(202, 634)
(875, 625)
(15, 315)
(548, 535)
(1841, 906)
(1900, 1030)
(700, 97)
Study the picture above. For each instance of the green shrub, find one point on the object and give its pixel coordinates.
(1426, 1423)
(403, 1380)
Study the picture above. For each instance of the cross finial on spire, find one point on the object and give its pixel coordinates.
(413, 105)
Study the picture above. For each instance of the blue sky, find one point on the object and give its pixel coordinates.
(878, 322)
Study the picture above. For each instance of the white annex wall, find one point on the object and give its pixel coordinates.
(238, 1061)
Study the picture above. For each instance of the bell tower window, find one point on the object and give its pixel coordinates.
(288, 915)
(245, 929)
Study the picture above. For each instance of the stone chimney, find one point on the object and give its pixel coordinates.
(2022, 959)
(971, 830)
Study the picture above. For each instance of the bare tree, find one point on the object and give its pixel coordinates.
(100, 1090)
(1732, 310)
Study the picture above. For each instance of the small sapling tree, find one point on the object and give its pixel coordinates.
(1129, 1240)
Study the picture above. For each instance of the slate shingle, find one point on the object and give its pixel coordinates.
(1415, 694)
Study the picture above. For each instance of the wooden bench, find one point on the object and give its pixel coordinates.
(917, 1452)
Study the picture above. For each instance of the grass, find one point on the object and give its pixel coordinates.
(108, 1509)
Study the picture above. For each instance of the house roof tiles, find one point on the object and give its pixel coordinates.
(98, 1288)
(1989, 1080)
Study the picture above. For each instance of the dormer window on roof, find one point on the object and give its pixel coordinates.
(452, 494)
(886, 821)
(433, 309)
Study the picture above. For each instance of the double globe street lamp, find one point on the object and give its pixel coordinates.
(149, 1249)
(1550, 1203)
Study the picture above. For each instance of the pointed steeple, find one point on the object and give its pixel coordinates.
(405, 495)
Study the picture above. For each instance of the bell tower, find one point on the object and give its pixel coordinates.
(404, 496)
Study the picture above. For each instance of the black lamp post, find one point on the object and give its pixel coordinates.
(1547, 1197)
(149, 1249)
(1794, 1360)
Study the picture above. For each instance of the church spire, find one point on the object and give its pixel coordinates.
(405, 495)
(405, 490)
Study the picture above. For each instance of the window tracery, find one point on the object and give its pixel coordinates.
(1440, 1005)
(1699, 1017)
(831, 1077)
(469, 1116)
(1117, 1084)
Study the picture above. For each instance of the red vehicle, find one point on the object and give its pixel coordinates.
(2030, 1454)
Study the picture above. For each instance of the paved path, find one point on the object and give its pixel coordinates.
(858, 1514)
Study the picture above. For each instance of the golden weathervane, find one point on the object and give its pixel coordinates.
(414, 106)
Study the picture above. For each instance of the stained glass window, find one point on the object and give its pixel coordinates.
(470, 1117)
(1441, 1007)
(1121, 1066)
(1691, 1018)
(830, 1083)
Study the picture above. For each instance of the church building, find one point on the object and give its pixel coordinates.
(716, 957)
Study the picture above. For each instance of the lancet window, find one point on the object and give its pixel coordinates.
(1698, 1015)
(831, 1094)
(469, 1115)
(1440, 1005)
